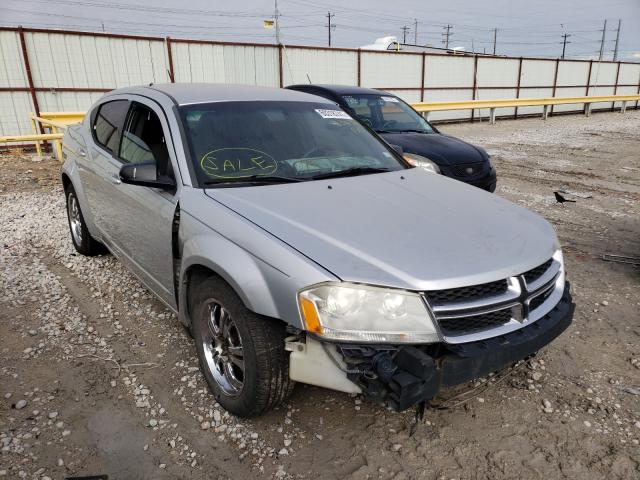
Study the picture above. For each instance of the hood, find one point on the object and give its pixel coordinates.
(408, 229)
(442, 149)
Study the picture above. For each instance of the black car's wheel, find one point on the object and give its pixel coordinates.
(82, 240)
(241, 354)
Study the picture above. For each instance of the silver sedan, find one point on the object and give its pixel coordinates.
(296, 245)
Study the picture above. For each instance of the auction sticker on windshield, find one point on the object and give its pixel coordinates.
(333, 114)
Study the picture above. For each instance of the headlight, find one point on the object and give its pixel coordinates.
(361, 313)
(422, 162)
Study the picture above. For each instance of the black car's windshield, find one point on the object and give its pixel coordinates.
(384, 113)
(264, 142)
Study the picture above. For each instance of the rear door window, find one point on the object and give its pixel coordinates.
(108, 123)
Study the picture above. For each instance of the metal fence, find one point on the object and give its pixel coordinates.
(56, 70)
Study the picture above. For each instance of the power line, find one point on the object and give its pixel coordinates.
(495, 39)
(329, 26)
(615, 50)
(604, 34)
(564, 42)
(446, 35)
(404, 29)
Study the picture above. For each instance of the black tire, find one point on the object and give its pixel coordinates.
(82, 240)
(265, 379)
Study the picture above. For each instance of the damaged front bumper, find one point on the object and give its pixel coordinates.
(403, 376)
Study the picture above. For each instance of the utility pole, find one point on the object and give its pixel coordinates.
(415, 31)
(604, 34)
(276, 14)
(564, 42)
(404, 29)
(329, 25)
(615, 50)
(446, 35)
(495, 39)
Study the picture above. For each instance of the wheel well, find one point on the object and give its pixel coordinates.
(66, 181)
(194, 274)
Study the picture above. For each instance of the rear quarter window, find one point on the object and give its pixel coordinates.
(108, 122)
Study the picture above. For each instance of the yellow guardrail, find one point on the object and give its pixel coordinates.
(426, 107)
(57, 122)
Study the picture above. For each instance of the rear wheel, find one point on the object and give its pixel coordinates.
(241, 354)
(82, 240)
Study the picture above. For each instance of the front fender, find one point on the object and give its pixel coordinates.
(236, 266)
(265, 272)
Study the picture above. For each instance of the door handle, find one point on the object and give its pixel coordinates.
(82, 153)
(115, 179)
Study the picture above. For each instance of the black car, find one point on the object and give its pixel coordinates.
(399, 124)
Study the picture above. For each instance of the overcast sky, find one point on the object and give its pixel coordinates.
(525, 27)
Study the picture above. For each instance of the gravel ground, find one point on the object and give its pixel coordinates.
(96, 376)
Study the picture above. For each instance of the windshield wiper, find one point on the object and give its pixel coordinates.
(349, 172)
(253, 179)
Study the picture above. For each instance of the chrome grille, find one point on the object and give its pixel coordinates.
(474, 323)
(535, 273)
(452, 295)
(489, 309)
(536, 302)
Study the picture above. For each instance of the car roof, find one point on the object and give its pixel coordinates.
(190, 93)
(343, 89)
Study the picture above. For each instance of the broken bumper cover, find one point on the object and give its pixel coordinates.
(403, 376)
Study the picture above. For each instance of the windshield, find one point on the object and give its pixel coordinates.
(385, 113)
(256, 142)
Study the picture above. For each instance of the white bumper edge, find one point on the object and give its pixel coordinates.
(310, 363)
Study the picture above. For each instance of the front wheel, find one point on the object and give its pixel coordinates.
(241, 354)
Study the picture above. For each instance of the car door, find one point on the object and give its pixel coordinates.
(140, 219)
(97, 166)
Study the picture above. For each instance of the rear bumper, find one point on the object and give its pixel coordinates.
(403, 376)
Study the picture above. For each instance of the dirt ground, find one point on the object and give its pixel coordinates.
(97, 377)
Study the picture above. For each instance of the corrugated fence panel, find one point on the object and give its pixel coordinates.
(203, 62)
(12, 72)
(65, 60)
(629, 74)
(537, 73)
(84, 61)
(497, 72)
(66, 101)
(449, 95)
(534, 93)
(631, 90)
(410, 96)
(320, 66)
(603, 74)
(569, 92)
(601, 91)
(572, 73)
(15, 108)
(390, 70)
(491, 94)
(448, 71)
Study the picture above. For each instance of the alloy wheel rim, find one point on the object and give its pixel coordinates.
(74, 219)
(223, 351)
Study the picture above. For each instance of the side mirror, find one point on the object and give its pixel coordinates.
(145, 175)
(397, 148)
